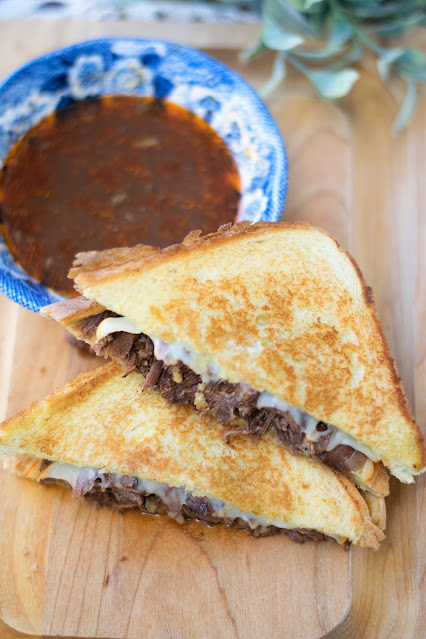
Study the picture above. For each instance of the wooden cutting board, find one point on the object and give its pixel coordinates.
(70, 570)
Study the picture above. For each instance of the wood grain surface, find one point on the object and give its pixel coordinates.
(70, 570)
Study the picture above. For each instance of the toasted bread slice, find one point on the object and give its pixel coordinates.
(70, 313)
(103, 421)
(278, 306)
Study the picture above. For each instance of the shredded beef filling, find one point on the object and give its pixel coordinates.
(232, 404)
(121, 493)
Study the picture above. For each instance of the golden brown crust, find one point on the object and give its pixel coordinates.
(94, 260)
(104, 421)
(399, 390)
(94, 265)
(72, 310)
(379, 483)
(373, 478)
(333, 363)
(323, 349)
(376, 481)
(377, 508)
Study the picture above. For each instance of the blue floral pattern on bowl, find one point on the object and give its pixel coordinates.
(145, 68)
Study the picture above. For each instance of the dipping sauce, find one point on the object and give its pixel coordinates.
(109, 172)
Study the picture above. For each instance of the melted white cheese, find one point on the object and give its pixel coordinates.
(64, 472)
(309, 424)
(172, 353)
(116, 325)
(173, 498)
(340, 438)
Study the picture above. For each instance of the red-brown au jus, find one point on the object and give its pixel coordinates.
(114, 171)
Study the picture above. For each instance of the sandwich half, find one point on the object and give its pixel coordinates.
(118, 446)
(269, 326)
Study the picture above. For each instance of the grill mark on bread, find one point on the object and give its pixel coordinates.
(232, 404)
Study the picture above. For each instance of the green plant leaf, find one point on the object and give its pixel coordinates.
(321, 55)
(340, 31)
(256, 50)
(409, 63)
(333, 85)
(277, 38)
(412, 64)
(360, 3)
(310, 3)
(407, 109)
(391, 8)
(354, 54)
(386, 60)
(347, 28)
(394, 28)
(289, 18)
(277, 76)
(304, 5)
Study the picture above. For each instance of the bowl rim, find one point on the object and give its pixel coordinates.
(20, 290)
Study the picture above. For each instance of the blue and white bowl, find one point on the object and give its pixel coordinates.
(116, 66)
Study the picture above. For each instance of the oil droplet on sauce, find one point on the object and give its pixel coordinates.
(114, 171)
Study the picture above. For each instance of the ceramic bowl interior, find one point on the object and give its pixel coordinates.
(145, 68)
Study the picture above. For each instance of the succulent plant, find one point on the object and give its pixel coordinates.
(346, 28)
